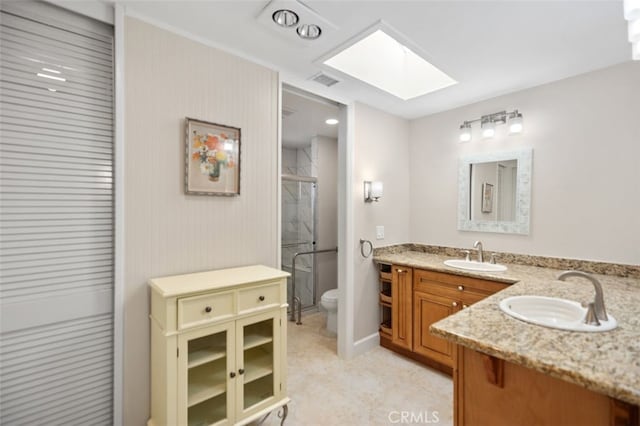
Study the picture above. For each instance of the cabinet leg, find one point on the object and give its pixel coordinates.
(283, 414)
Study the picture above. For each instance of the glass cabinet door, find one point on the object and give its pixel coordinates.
(258, 349)
(205, 387)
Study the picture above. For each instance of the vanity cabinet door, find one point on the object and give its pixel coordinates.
(428, 309)
(402, 306)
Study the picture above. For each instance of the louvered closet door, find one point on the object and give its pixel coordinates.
(56, 217)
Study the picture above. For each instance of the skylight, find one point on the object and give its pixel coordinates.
(383, 62)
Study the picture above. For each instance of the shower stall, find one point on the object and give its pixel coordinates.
(299, 198)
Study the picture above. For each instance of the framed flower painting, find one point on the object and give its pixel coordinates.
(212, 163)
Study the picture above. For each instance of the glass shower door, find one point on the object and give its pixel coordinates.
(298, 235)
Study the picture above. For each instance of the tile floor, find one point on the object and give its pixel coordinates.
(372, 389)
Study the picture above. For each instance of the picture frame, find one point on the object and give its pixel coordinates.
(487, 197)
(212, 158)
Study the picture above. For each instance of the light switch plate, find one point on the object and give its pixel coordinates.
(380, 232)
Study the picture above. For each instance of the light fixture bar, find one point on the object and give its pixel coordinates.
(488, 123)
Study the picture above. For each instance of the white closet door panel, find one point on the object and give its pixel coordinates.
(20, 94)
(56, 217)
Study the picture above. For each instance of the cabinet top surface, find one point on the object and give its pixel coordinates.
(606, 362)
(176, 285)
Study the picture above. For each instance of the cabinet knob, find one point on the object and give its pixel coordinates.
(241, 371)
(208, 309)
(232, 374)
(465, 306)
(461, 288)
(399, 271)
(261, 298)
(454, 303)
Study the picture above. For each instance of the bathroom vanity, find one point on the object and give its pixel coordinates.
(412, 298)
(507, 371)
(218, 346)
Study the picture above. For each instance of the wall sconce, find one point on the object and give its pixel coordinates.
(372, 191)
(632, 14)
(488, 124)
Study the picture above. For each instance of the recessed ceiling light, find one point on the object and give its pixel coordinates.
(285, 18)
(309, 31)
(332, 121)
(384, 62)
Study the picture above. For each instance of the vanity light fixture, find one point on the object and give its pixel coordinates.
(372, 191)
(331, 121)
(488, 124)
(632, 14)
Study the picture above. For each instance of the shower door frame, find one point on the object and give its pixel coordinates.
(314, 207)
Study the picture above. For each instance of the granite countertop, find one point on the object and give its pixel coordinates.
(605, 362)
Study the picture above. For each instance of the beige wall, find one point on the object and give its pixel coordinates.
(585, 135)
(169, 78)
(382, 154)
(327, 213)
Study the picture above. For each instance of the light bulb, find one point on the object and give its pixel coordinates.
(465, 133)
(309, 31)
(515, 124)
(488, 129)
(285, 18)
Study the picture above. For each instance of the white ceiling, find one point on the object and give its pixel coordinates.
(304, 117)
(489, 47)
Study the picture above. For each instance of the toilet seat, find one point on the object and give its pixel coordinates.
(330, 295)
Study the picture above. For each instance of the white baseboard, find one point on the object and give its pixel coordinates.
(365, 344)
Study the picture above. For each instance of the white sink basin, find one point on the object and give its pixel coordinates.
(472, 265)
(553, 312)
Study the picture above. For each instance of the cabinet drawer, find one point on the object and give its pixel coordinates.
(455, 286)
(259, 297)
(196, 310)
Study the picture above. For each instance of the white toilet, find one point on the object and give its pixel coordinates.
(329, 301)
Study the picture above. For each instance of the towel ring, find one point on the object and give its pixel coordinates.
(362, 250)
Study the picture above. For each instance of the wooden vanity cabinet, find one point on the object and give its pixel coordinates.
(419, 298)
(401, 306)
(491, 391)
(436, 296)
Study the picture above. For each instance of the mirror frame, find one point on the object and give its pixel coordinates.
(523, 192)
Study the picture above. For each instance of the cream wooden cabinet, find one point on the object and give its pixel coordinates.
(218, 346)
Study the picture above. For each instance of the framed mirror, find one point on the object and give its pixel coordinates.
(494, 192)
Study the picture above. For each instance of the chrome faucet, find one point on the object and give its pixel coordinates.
(478, 245)
(598, 304)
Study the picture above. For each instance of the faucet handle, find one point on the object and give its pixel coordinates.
(467, 255)
(492, 259)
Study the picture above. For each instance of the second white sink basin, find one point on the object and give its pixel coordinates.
(553, 312)
(472, 265)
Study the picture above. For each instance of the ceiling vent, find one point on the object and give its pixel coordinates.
(324, 79)
(286, 112)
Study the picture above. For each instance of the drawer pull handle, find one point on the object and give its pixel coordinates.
(454, 304)
(261, 298)
(232, 374)
(208, 309)
(460, 288)
(241, 371)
